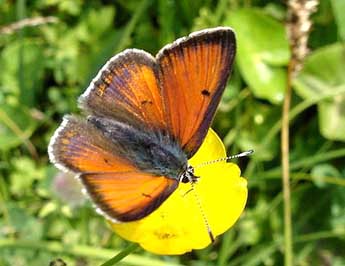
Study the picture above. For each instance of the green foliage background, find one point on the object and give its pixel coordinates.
(44, 68)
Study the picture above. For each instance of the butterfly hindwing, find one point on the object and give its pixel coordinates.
(193, 74)
(118, 187)
(128, 196)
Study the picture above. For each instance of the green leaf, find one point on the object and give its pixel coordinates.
(263, 52)
(99, 21)
(324, 71)
(167, 20)
(26, 226)
(70, 7)
(256, 124)
(24, 167)
(338, 7)
(321, 171)
(22, 70)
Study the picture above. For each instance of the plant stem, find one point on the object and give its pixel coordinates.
(288, 246)
(332, 180)
(124, 253)
(81, 251)
(308, 161)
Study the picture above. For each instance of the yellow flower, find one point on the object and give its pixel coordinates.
(177, 226)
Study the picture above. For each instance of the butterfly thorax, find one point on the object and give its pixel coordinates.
(152, 152)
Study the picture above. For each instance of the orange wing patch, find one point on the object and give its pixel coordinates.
(193, 72)
(127, 89)
(128, 196)
(80, 147)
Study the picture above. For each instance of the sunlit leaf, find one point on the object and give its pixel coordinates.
(22, 70)
(321, 171)
(255, 130)
(263, 52)
(24, 166)
(26, 225)
(339, 11)
(324, 71)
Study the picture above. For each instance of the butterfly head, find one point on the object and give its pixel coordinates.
(188, 175)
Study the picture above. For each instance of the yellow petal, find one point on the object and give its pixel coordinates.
(178, 225)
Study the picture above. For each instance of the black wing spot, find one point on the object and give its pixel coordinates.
(205, 92)
(106, 160)
(146, 102)
(146, 195)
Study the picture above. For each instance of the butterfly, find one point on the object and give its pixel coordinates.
(143, 118)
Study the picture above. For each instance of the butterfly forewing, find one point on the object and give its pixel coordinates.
(127, 89)
(193, 73)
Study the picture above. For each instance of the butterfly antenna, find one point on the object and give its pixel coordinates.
(228, 158)
(198, 201)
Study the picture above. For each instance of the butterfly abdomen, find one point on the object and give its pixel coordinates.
(153, 152)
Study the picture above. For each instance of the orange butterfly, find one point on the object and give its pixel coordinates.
(146, 116)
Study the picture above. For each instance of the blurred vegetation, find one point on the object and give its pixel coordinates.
(45, 66)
